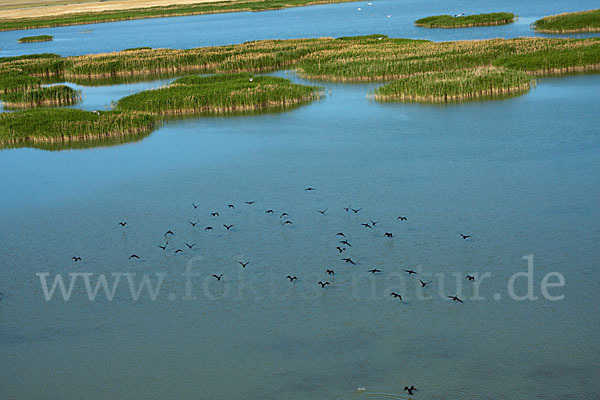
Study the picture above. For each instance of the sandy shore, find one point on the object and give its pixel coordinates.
(18, 9)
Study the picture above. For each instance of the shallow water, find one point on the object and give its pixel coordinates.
(520, 175)
(304, 22)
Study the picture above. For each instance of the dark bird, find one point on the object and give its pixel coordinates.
(374, 271)
(123, 223)
(218, 276)
(323, 284)
(134, 256)
(340, 249)
(355, 211)
(169, 232)
(410, 389)
(471, 278)
(227, 226)
(178, 251)
(243, 264)
(214, 214)
(269, 212)
(340, 234)
(396, 295)
(401, 218)
(208, 228)
(190, 245)
(410, 272)
(464, 236)
(345, 242)
(388, 234)
(193, 223)
(423, 284)
(310, 188)
(322, 212)
(76, 258)
(195, 206)
(288, 222)
(284, 215)
(230, 206)
(373, 222)
(455, 298)
(348, 260)
(330, 272)
(251, 202)
(291, 278)
(347, 208)
(367, 225)
(163, 247)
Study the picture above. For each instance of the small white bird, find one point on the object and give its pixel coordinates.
(359, 9)
(251, 79)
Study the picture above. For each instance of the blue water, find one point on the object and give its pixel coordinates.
(305, 22)
(519, 175)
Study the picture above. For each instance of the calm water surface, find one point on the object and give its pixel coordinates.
(520, 175)
(391, 17)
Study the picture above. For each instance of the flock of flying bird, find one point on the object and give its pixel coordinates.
(343, 244)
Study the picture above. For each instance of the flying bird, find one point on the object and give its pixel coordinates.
(373, 222)
(163, 247)
(455, 298)
(169, 232)
(471, 278)
(374, 271)
(355, 211)
(251, 202)
(227, 226)
(288, 222)
(243, 264)
(348, 260)
(423, 284)
(269, 212)
(76, 258)
(291, 278)
(178, 251)
(310, 188)
(340, 234)
(367, 225)
(330, 272)
(193, 223)
(195, 206)
(347, 208)
(396, 295)
(284, 215)
(410, 272)
(401, 218)
(388, 234)
(346, 243)
(340, 249)
(134, 256)
(214, 214)
(230, 206)
(190, 245)
(123, 223)
(322, 212)
(218, 276)
(323, 284)
(410, 389)
(464, 236)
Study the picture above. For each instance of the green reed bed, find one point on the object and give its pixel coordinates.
(155, 12)
(66, 124)
(219, 94)
(455, 85)
(33, 39)
(466, 21)
(582, 21)
(50, 96)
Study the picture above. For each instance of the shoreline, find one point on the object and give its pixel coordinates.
(163, 11)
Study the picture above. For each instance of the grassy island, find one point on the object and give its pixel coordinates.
(66, 124)
(466, 21)
(32, 39)
(582, 21)
(219, 94)
(50, 96)
(411, 70)
(455, 85)
(154, 12)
